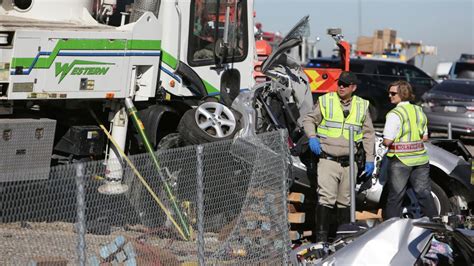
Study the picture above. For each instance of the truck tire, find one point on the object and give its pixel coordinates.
(210, 121)
(440, 198)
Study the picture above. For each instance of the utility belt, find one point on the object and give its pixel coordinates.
(342, 160)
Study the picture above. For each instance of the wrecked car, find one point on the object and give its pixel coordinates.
(396, 241)
(285, 100)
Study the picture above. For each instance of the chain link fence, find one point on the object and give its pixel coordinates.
(221, 203)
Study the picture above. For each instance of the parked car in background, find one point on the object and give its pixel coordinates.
(375, 74)
(451, 101)
(463, 68)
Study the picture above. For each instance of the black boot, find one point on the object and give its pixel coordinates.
(343, 216)
(322, 223)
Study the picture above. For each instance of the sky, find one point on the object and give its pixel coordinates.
(446, 24)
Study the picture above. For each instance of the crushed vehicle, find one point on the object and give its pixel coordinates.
(283, 102)
(396, 241)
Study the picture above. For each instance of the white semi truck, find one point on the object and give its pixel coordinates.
(58, 63)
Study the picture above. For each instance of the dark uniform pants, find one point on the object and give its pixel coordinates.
(399, 175)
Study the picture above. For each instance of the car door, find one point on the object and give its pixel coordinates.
(387, 72)
(371, 87)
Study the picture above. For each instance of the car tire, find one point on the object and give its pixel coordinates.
(441, 202)
(210, 121)
(440, 198)
(209, 99)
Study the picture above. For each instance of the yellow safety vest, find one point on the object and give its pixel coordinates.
(334, 124)
(408, 146)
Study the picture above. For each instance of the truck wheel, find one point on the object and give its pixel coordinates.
(210, 121)
(440, 198)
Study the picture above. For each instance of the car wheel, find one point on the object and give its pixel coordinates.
(441, 201)
(210, 121)
(440, 198)
(209, 99)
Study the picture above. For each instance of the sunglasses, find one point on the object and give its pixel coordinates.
(344, 85)
(391, 93)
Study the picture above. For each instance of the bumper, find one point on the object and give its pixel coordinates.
(461, 124)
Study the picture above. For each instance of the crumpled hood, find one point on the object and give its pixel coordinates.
(394, 242)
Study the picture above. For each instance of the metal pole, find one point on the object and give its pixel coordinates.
(450, 131)
(81, 210)
(123, 17)
(352, 172)
(200, 206)
(114, 172)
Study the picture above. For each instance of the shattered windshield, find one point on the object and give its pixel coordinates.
(300, 30)
(292, 39)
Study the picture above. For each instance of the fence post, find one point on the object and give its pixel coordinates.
(352, 172)
(286, 172)
(200, 205)
(450, 131)
(80, 223)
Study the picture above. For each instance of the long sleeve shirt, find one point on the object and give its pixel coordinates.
(340, 146)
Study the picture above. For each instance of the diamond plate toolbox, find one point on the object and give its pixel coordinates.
(26, 146)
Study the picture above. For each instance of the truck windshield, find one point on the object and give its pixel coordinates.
(208, 19)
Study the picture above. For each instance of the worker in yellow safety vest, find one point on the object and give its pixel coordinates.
(327, 128)
(404, 133)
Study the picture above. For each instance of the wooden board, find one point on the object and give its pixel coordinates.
(296, 197)
(297, 217)
(365, 215)
(295, 235)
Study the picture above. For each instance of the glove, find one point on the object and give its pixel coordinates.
(369, 168)
(315, 146)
